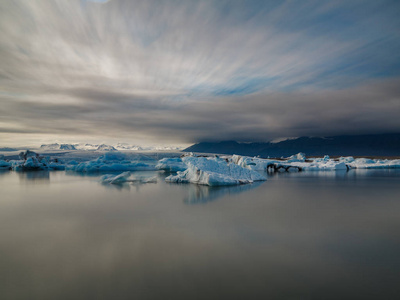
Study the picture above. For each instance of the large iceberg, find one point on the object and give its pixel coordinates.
(214, 172)
(294, 163)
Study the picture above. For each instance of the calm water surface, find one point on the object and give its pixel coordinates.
(321, 235)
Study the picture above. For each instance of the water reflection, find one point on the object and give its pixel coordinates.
(34, 177)
(4, 172)
(340, 175)
(296, 236)
(117, 186)
(200, 194)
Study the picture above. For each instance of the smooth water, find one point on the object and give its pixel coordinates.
(315, 235)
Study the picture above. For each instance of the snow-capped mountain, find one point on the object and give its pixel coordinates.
(57, 146)
(95, 147)
(105, 147)
(125, 146)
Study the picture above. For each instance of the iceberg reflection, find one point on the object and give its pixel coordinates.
(200, 194)
(34, 176)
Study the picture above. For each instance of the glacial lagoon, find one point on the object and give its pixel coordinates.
(307, 235)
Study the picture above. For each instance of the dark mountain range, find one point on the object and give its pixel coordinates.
(344, 145)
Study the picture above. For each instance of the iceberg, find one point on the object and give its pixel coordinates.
(298, 162)
(32, 161)
(346, 159)
(115, 179)
(253, 163)
(5, 165)
(366, 163)
(110, 162)
(214, 172)
(321, 165)
(124, 177)
(294, 163)
(174, 164)
(30, 164)
(299, 157)
(28, 153)
(56, 166)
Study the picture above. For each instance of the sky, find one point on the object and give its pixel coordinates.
(178, 72)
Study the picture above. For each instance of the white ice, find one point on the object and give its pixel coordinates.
(173, 164)
(115, 179)
(253, 163)
(110, 162)
(214, 172)
(5, 165)
(125, 177)
(365, 163)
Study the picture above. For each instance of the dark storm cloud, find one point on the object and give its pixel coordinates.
(370, 108)
(185, 71)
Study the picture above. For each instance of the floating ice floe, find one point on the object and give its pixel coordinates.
(346, 159)
(294, 163)
(214, 172)
(298, 162)
(32, 161)
(253, 163)
(30, 164)
(115, 179)
(299, 157)
(171, 164)
(110, 162)
(125, 177)
(366, 163)
(320, 166)
(5, 165)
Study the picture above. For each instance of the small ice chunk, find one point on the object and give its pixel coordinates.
(115, 179)
(299, 157)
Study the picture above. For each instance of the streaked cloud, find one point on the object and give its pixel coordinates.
(184, 71)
